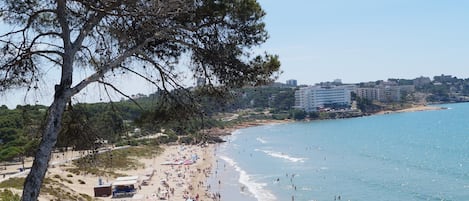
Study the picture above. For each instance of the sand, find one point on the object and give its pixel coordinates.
(416, 108)
(182, 181)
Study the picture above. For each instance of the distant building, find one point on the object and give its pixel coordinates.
(422, 81)
(137, 96)
(313, 98)
(390, 93)
(292, 83)
(407, 89)
(443, 78)
(385, 92)
(368, 93)
(337, 81)
(279, 84)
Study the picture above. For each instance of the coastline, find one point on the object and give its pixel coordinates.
(415, 108)
(187, 181)
(317, 148)
(183, 181)
(235, 191)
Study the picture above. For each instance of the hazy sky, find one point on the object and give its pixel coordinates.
(364, 40)
(359, 40)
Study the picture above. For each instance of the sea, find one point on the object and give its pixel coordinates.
(413, 156)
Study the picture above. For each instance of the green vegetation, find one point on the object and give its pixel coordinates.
(62, 179)
(52, 186)
(85, 126)
(16, 183)
(298, 114)
(120, 159)
(18, 131)
(55, 188)
(7, 195)
(366, 106)
(107, 38)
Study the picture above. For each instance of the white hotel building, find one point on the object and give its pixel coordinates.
(313, 98)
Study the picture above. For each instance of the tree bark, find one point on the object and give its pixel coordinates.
(35, 178)
(53, 123)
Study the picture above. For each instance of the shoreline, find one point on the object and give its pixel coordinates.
(229, 131)
(183, 181)
(415, 108)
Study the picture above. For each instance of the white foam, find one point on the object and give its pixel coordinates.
(257, 189)
(234, 135)
(282, 156)
(261, 140)
(306, 188)
(236, 132)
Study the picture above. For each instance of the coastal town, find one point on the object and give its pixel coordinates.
(234, 100)
(182, 170)
(421, 90)
(378, 96)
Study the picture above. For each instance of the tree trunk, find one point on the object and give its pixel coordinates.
(33, 182)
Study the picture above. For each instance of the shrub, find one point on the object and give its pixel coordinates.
(8, 195)
(13, 183)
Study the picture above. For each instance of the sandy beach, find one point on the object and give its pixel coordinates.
(174, 182)
(417, 108)
(180, 181)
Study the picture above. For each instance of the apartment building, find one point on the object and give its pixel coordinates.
(313, 98)
(385, 92)
(368, 93)
(292, 83)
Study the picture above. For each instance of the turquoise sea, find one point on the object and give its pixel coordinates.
(413, 156)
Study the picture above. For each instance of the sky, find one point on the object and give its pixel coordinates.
(355, 41)
(368, 40)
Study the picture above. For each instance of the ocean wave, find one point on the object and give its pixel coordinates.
(257, 189)
(282, 156)
(306, 188)
(236, 132)
(233, 136)
(261, 140)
